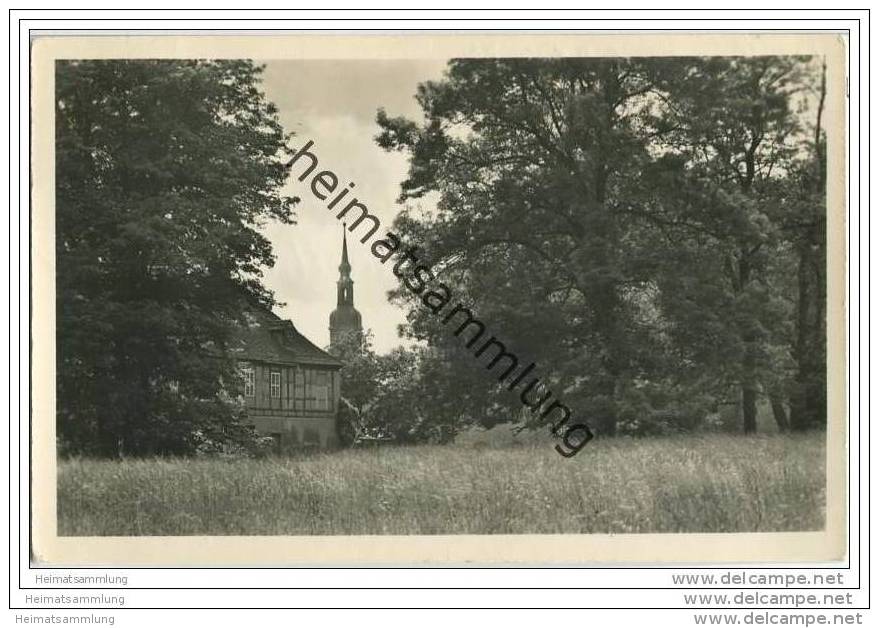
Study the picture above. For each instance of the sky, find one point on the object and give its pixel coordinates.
(334, 103)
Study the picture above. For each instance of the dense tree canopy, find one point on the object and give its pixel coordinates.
(390, 396)
(650, 232)
(634, 224)
(164, 169)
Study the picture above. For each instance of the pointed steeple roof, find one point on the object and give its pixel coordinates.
(345, 319)
(345, 266)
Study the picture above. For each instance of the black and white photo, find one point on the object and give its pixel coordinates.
(476, 293)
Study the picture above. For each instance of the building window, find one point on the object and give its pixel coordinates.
(249, 382)
(275, 385)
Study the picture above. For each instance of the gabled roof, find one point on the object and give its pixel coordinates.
(267, 337)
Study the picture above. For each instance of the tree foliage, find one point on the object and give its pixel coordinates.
(164, 169)
(392, 395)
(627, 222)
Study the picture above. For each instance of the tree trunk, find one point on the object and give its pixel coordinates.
(809, 343)
(778, 411)
(607, 318)
(749, 408)
(749, 360)
(809, 398)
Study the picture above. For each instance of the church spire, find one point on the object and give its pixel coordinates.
(345, 266)
(345, 319)
(345, 286)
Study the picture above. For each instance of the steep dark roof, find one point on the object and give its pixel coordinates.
(269, 338)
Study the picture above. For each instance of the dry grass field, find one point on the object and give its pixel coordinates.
(703, 483)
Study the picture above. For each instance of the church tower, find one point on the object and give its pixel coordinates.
(345, 319)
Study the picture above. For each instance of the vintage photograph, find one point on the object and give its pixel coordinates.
(469, 295)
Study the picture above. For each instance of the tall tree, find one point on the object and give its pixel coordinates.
(734, 139)
(530, 158)
(620, 220)
(806, 222)
(164, 169)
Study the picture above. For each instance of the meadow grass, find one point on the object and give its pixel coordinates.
(701, 483)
